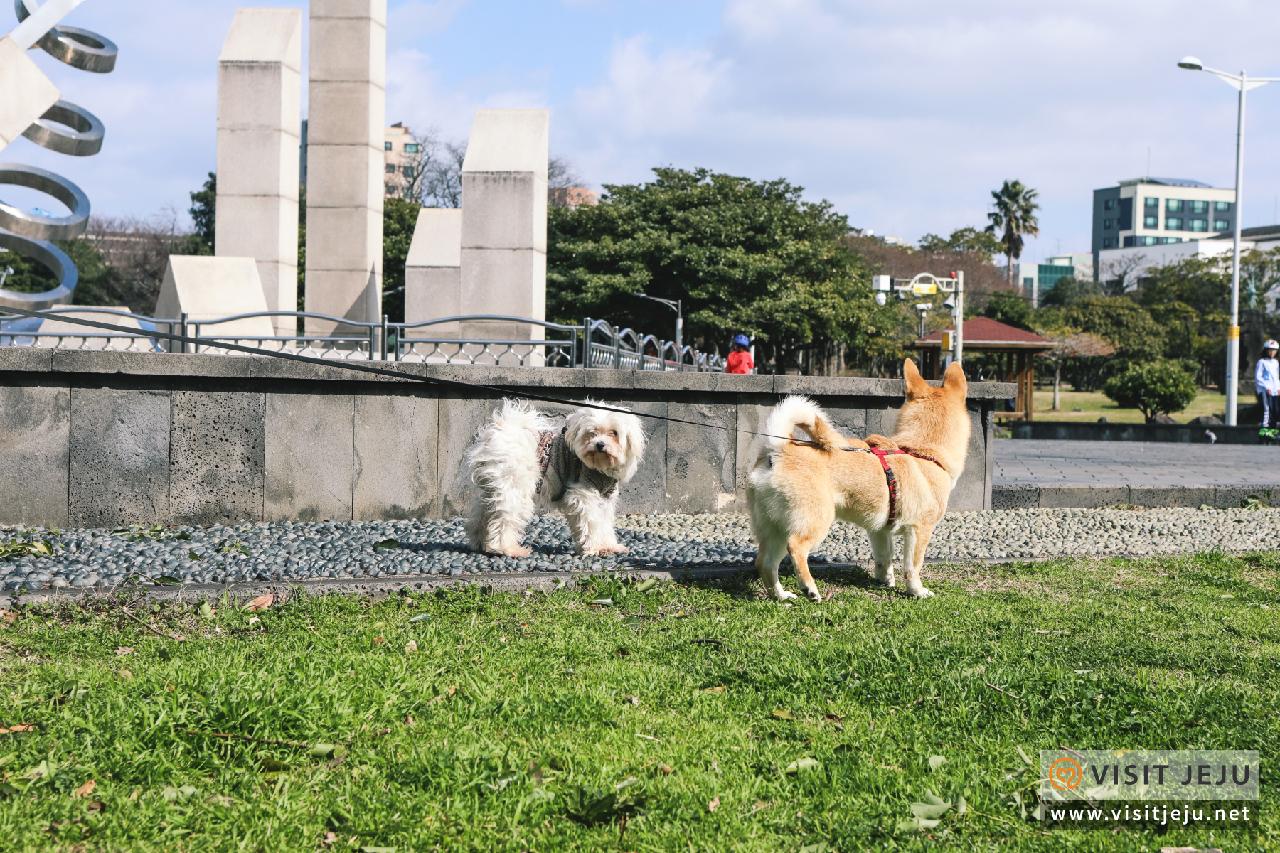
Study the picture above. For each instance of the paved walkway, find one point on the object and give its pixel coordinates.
(1100, 473)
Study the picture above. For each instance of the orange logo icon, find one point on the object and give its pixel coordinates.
(1065, 773)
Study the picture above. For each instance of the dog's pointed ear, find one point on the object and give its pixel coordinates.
(912, 380)
(954, 378)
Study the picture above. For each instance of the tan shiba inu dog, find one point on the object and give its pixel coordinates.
(888, 486)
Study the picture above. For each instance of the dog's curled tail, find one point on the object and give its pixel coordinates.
(801, 412)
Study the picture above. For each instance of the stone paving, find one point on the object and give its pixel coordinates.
(1100, 473)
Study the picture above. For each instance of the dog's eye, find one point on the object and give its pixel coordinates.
(613, 432)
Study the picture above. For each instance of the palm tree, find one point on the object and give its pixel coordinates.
(1014, 214)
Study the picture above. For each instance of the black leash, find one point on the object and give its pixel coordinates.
(368, 368)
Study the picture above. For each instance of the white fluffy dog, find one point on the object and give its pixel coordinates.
(522, 460)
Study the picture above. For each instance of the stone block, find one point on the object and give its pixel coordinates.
(259, 96)
(152, 364)
(343, 293)
(505, 282)
(262, 164)
(342, 177)
(264, 36)
(1085, 497)
(118, 457)
(460, 420)
(395, 456)
(35, 425)
(218, 457)
(310, 457)
(28, 92)
(752, 416)
(432, 274)
(25, 359)
(973, 489)
(644, 493)
(258, 227)
(374, 10)
(348, 48)
(345, 113)
(210, 288)
(1234, 497)
(701, 461)
(1015, 497)
(1181, 496)
(510, 211)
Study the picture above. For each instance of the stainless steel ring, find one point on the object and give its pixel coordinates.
(51, 258)
(68, 129)
(39, 226)
(75, 46)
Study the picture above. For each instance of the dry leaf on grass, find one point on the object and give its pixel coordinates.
(8, 617)
(17, 727)
(714, 804)
(86, 789)
(121, 651)
(262, 602)
(411, 647)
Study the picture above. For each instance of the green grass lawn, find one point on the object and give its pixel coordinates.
(1088, 406)
(666, 716)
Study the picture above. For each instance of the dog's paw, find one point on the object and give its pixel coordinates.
(920, 592)
(781, 594)
(887, 579)
(813, 594)
(518, 553)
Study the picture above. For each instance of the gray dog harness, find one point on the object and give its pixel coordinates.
(559, 468)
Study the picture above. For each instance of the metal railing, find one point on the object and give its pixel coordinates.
(478, 339)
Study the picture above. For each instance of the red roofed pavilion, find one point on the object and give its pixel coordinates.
(1015, 351)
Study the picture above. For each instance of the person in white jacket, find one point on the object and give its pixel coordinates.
(1266, 380)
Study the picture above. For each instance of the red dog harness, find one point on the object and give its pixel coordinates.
(891, 479)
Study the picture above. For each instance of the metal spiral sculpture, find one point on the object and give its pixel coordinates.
(69, 129)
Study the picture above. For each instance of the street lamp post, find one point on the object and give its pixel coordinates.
(676, 305)
(1242, 83)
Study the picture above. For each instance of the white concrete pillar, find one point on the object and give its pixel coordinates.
(504, 220)
(432, 271)
(259, 125)
(345, 127)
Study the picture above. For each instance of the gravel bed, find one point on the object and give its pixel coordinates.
(287, 551)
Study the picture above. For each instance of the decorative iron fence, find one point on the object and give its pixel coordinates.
(483, 339)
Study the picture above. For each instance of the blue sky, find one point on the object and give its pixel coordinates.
(903, 114)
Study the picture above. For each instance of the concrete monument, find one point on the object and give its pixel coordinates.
(206, 288)
(432, 271)
(348, 50)
(259, 125)
(504, 220)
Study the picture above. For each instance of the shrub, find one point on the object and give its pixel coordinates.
(1153, 387)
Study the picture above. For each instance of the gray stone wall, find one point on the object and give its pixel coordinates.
(104, 439)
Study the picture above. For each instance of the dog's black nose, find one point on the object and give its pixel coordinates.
(599, 445)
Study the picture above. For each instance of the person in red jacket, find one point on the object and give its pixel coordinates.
(740, 360)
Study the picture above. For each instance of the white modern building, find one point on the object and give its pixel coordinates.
(1134, 261)
(1148, 212)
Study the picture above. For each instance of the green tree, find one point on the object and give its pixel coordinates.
(1008, 307)
(1125, 324)
(1069, 290)
(202, 210)
(744, 256)
(399, 218)
(962, 240)
(1013, 216)
(1153, 387)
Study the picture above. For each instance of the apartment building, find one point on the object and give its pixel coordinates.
(1157, 212)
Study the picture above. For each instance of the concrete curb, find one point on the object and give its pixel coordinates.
(1020, 496)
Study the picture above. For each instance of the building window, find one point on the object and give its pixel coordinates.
(1221, 224)
(1109, 204)
(1199, 207)
(411, 148)
(1197, 224)
(1150, 222)
(1173, 223)
(391, 168)
(1221, 206)
(1151, 203)
(1106, 225)
(1108, 242)
(387, 146)
(390, 188)
(408, 172)
(1164, 241)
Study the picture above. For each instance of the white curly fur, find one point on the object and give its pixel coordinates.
(505, 469)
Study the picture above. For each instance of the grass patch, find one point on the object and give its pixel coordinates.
(1088, 406)
(673, 716)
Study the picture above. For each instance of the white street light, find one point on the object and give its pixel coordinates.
(676, 305)
(1242, 83)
